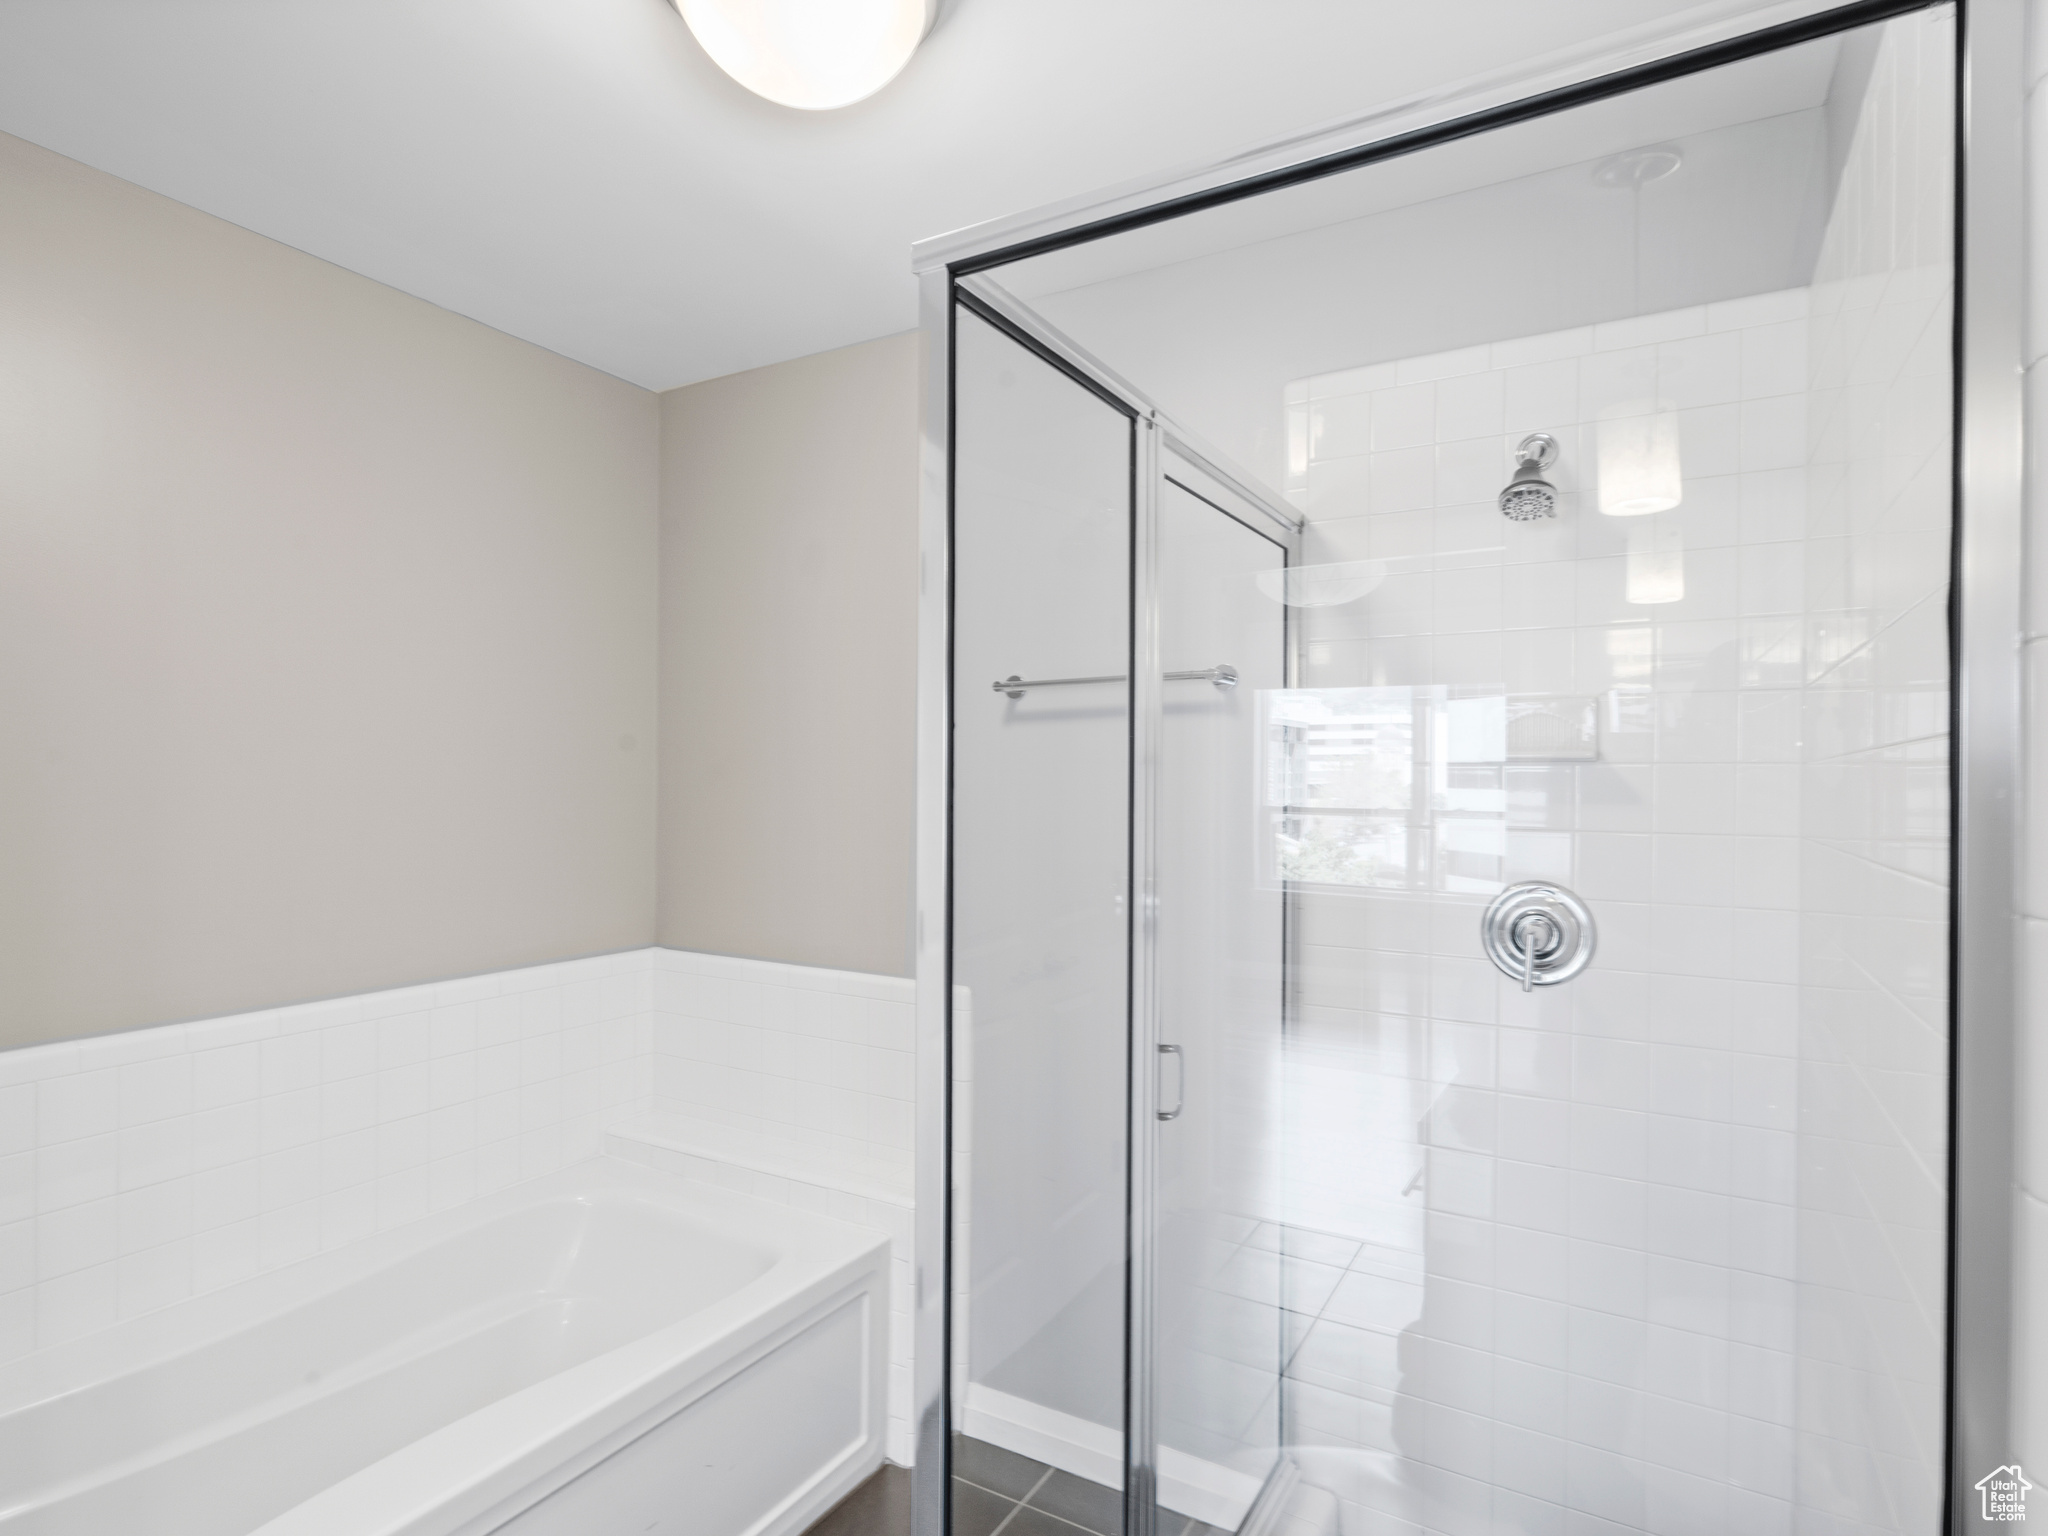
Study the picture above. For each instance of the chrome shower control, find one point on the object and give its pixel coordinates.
(1538, 934)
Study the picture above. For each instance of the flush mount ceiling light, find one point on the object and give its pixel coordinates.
(813, 54)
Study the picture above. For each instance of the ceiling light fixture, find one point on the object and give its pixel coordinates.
(813, 54)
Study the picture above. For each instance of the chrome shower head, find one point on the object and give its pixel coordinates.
(1529, 496)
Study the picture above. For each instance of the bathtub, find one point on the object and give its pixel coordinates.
(604, 1350)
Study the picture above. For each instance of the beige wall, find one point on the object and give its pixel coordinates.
(329, 643)
(327, 626)
(788, 659)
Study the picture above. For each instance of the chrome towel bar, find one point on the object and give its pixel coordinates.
(1016, 687)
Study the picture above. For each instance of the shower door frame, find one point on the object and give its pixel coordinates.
(1985, 632)
(1158, 441)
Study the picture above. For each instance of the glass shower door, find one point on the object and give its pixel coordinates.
(1119, 1327)
(1041, 933)
(1621, 436)
(1218, 947)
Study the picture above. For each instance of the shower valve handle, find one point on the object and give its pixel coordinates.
(1538, 934)
(1535, 934)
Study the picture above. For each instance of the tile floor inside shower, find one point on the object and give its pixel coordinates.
(1000, 1493)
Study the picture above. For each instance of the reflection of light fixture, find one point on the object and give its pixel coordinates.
(1639, 469)
(1638, 167)
(1322, 586)
(813, 54)
(1639, 465)
(1656, 563)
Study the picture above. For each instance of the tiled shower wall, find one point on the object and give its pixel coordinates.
(1653, 1247)
(1576, 1206)
(1874, 817)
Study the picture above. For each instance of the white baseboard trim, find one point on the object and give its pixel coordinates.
(1080, 1446)
(1270, 1507)
(1187, 1484)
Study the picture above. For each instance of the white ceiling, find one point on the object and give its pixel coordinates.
(578, 173)
(1481, 239)
(1789, 81)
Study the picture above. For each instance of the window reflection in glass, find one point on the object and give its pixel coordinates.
(1386, 787)
(1406, 788)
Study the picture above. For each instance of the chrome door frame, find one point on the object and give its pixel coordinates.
(932, 918)
(1985, 620)
(942, 297)
(1141, 1417)
(1719, 31)
(1986, 632)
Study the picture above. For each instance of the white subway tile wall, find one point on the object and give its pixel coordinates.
(142, 1168)
(1572, 1283)
(1874, 816)
(1626, 1250)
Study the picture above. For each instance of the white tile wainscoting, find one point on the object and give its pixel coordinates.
(787, 1069)
(141, 1168)
(793, 1084)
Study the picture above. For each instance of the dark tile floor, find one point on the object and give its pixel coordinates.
(995, 1491)
(999, 1493)
(878, 1507)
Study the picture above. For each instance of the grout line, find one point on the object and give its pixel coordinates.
(1022, 1503)
(1015, 1504)
(1060, 1519)
(1032, 1492)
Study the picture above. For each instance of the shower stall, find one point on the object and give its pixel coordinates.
(1443, 822)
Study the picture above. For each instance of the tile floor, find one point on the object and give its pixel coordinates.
(878, 1507)
(999, 1493)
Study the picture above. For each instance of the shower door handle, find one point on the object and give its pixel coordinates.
(1180, 1082)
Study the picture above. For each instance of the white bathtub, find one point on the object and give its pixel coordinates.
(602, 1351)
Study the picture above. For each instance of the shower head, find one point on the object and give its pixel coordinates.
(1529, 496)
